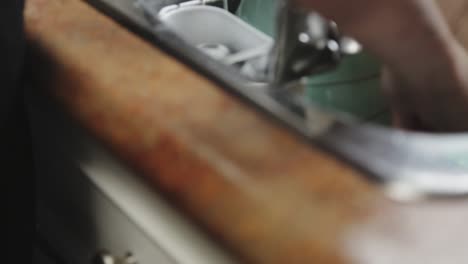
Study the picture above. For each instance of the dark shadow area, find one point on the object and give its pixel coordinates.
(62, 229)
(15, 147)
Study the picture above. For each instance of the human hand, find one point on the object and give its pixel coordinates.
(435, 103)
(426, 76)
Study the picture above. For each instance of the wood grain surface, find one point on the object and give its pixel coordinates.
(263, 193)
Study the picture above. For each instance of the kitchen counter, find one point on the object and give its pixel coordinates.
(254, 187)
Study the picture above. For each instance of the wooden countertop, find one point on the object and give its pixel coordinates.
(259, 190)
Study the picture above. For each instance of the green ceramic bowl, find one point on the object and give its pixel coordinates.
(259, 13)
(352, 88)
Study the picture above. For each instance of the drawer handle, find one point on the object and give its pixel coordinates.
(104, 257)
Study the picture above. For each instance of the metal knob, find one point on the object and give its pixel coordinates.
(306, 44)
(104, 257)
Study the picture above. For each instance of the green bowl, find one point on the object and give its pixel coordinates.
(358, 98)
(259, 13)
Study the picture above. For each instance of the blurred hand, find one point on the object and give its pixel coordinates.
(426, 75)
(437, 102)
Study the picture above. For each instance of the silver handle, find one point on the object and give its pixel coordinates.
(105, 257)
